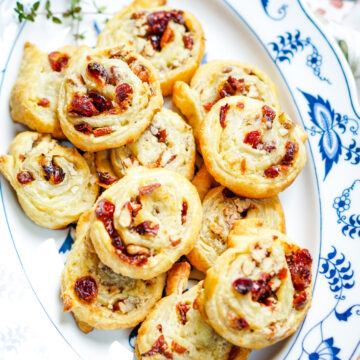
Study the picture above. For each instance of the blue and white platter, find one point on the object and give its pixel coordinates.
(322, 207)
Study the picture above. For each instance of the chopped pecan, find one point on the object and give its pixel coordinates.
(102, 131)
(138, 250)
(58, 61)
(175, 242)
(223, 111)
(84, 128)
(282, 273)
(105, 178)
(125, 217)
(188, 41)
(300, 300)
(148, 189)
(159, 347)
(299, 263)
(182, 309)
(291, 150)
(209, 105)
(142, 72)
(184, 211)
(178, 348)
(167, 37)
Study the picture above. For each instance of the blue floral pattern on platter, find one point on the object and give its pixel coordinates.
(347, 217)
(330, 125)
(281, 11)
(289, 45)
(69, 240)
(340, 277)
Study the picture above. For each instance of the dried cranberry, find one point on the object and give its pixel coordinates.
(98, 73)
(53, 173)
(86, 289)
(300, 300)
(146, 228)
(100, 102)
(155, 42)
(123, 93)
(182, 309)
(282, 273)
(84, 128)
(223, 110)
(253, 138)
(239, 323)
(209, 105)
(178, 348)
(188, 41)
(269, 146)
(268, 113)
(148, 189)
(104, 210)
(118, 243)
(272, 172)
(24, 177)
(291, 149)
(105, 178)
(83, 106)
(299, 263)
(58, 61)
(184, 211)
(44, 102)
(137, 15)
(232, 86)
(160, 347)
(243, 285)
(261, 290)
(161, 136)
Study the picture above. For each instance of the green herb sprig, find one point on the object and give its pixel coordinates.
(26, 15)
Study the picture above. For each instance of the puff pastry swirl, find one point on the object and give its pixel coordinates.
(143, 223)
(97, 296)
(259, 291)
(221, 209)
(34, 97)
(251, 148)
(218, 79)
(107, 98)
(175, 330)
(172, 40)
(168, 142)
(54, 184)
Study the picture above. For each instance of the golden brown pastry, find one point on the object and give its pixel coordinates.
(221, 209)
(168, 142)
(146, 221)
(107, 98)
(218, 79)
(172, 40)
(251, 148)
(34, 97)
(96, 295)
(175, 329)
(259, 291)
(203, 181)
(54, 184)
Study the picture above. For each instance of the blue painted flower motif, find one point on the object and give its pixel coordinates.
(350, 220)
(325, 351)
(290, 44)
(69, 240)
(281, 11)
(340, 277)
(204, 59)
(132, 336)
(329, 124)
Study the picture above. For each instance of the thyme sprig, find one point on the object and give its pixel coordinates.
(23, 14)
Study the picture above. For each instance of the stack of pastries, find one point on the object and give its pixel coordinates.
(126, 176)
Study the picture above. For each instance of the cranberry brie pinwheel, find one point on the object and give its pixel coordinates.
(54, 184)
(221, 209)
(107, 98)
(144, 222)
(258, 291)
(218, 79)
(251, 148)
(34, 97)
(172, 40)
(174, 329)
(97, 296)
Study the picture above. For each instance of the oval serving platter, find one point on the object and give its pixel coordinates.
(322, 208)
